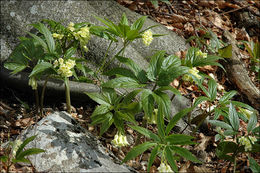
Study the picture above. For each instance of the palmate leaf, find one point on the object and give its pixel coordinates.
(139, 149)
(99, 98)
(155, 65)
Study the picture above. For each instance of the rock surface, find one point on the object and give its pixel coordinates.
(69, 147)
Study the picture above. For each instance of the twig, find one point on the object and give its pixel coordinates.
(231, 11)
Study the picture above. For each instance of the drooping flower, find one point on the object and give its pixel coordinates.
(192, 71)
(58, 36)
(64, 68)
(203, 55)
(71, 26)
(246, 112)
(15, 147)
(120, 140)
(147, 37)
(33, 83)
(164, 167)
(246, 142)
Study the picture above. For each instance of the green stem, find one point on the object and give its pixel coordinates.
(42, 96)
(37, 100)
(67, 92)
(154, 87)
(105, 58)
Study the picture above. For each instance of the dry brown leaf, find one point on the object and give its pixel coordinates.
(185, 167)
(203, 142)
(206, 3)
(177, 25)
(201, 169)
(179, 19)
(188, 27)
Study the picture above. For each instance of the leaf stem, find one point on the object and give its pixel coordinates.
(105, 58)
(42, 96)
(67, 93)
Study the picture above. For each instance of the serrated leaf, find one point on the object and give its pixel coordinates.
(123, 72)
(167, 76)
(101, 109)
(224, 148)
(170, 88)
(147, 101)
(99, 98)
(164, 103)
(130, 96)
(138, 24)
(15, 67)
(252, 123)
(107, 122)
(179, 139)
(221, 124)
(227, 96)
(39, 40)
(39, 68)
(152, 157)
(169, 157)
(139, 149)
(48, 36)
(69, 52)
(155, 65)
(243, 105)
(233, 117)
(146, 132)
(122, 82)
(185, 153)
(212, 88)
(176, 118)
(171, 61)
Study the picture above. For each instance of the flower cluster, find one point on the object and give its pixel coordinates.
(192, 71)
(246, 142)
(16, 145)
(164, 167)
(119, 140)
(33, 83)
(58, 36)
(147, 37)
(246, 112)
(201, 54)
(64, 67)
(83, 35)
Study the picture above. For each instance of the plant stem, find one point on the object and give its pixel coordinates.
(42, 96)
(37, 100)
(67, 93)
(105, 58)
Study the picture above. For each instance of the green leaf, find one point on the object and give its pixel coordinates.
(225, 52)
(254, 166)
(39, 68)
(122, 82)
(129, 97)
(138, 24)
(152, 157)
(147, 101)
(99, 98)
(155, 65)
(227, 96)
(28, 152)
(179, 139)
(126, 117)
(15, 67)
(176, 118)
(220, 124)
(121, 72)
(233, 117)
(204, 90)
(252, 123)
(48, 36)
(256, 130)
(224, 148)
(230, 132)
(124, 20)
(199, 100)
(146, 132)
(24, 160)
(139, 149)
(101, 109)
(25, 142)
(243, 105)
(171, 61)
(3, 159)
(164, 102)
(110, 24)
(160, 123)
(108, 121)
(132, 34)
(169, 157)
(212, 88)
(170, 88)
(167, 76)
(69, 52)
(185, 153)
(38, 39)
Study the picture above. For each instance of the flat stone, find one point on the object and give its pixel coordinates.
(69, 147)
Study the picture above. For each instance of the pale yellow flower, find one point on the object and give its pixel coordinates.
(120, 140)
(55, 64)
(246, 112)
(164, 167)
(61, 61)
(33, 83)
(147, 37)
(71, 26)
(199, 53)
(15, 147)
(192, 71)
(59, 36)
(246, 142)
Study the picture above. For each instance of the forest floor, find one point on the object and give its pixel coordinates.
(186, 18)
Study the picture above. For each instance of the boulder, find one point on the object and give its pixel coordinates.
(69, 147)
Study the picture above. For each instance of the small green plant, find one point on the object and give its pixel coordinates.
(164, 144)
(243, 142)
(254, 51)
(14, 152)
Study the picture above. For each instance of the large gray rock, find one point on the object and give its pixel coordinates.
(69, 147)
